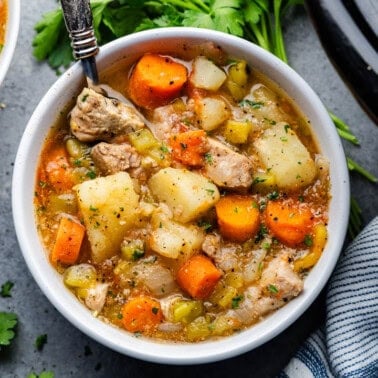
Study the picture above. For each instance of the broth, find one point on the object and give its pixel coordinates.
(3, 21)
(196, 226)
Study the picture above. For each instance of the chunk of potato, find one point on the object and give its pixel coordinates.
(284, 156)
(187, 194)
(206, 74)
(212, 112)
(175, 240)
(109, 206)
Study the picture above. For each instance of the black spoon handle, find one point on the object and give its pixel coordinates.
(78, 18)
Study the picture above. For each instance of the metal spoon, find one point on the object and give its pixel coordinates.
(79, 23)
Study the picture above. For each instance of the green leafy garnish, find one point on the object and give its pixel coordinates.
(236, 301)
(8, 322)
(6, 289)
(43, 374)
(308, 240)
(273, 289)
(40, 341)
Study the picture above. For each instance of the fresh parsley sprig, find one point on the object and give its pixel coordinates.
(8, 323)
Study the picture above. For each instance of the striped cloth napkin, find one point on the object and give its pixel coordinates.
(347, 345)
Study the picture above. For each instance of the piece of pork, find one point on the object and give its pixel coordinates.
(96, 297)
(113, 158)
(278, 284)
(227, 168)
(167, 120)
(225, 256)
(280, 279)
(96, 117)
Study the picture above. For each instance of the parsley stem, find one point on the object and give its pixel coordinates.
(347, 135)
(353, 166)
(259, 37)
(278, 37)
(202, 5)
(355, 221)
(183, 4)
(343, 129)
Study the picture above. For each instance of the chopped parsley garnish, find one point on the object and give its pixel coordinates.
(164, 148)
(137, 254)
(155, 310)
(8, 322)
(92, 208)
(208, 158)
(287, 127)
(92, 175)
(308, 240)
(252, 104)
(43, 374)
(273, 195)
(258, 180)
(205, 225)
(236, 301)
(40, 341)
(261, 233)
(273, 289)
(6, 289)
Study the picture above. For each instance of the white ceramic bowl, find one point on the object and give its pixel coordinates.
(11, 34)
(50, 281)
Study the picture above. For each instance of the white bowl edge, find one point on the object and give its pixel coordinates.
(11, 34)
(116, 339)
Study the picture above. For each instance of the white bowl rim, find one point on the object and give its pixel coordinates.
(173, 353)
(11, 34)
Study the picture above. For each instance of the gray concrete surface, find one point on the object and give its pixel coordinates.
(68, 352)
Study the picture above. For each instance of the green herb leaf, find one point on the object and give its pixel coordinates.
(40, 341)
(43, 374)
(236, 301)
(8, 322)
(273, 289)
(6, 289)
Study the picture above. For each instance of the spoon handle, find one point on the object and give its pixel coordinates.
(78, 18)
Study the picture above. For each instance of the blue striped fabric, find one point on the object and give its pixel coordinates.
(347, 345)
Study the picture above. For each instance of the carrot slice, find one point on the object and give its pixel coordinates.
(68, 241)
(198, 276)
(189, 147)
(156, 80)
(141, 314)
(58, 170)
(238, 217)
(289, 222)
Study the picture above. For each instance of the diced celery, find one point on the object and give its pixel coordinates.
(63, 203)
(143, 140)
(222, 295)
(224, 325)
(237, 132)
(186, 311)
(160, 154)
(198, 329)
(80, 276)
(75, 148)
(234, 279)
(132, 250)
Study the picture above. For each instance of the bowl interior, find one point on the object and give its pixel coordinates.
(69, 85)
(11, 34)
